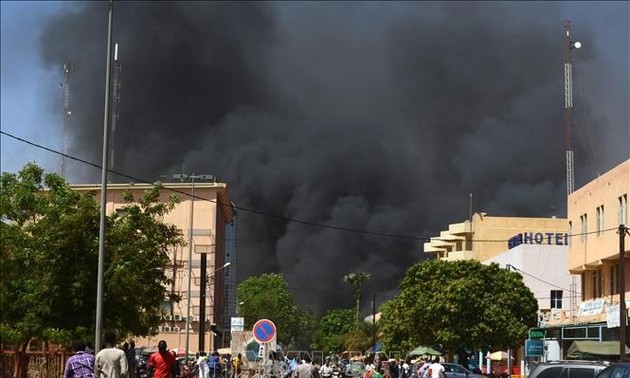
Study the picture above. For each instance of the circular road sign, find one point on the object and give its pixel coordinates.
(264, 331)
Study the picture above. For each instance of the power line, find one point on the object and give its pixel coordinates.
(541, 280)
(267, 214)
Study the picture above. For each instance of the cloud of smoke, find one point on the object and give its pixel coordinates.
(372, 116)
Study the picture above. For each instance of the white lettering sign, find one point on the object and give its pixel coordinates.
(593, 307)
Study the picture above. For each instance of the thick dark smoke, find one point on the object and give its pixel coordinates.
(373, 116)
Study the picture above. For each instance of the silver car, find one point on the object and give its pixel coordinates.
(458, 371)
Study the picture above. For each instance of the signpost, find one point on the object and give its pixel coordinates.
(264, 331)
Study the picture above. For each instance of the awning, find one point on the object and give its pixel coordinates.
(594, 350)
(424, 351)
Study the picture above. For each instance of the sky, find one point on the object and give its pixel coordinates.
(381, 117)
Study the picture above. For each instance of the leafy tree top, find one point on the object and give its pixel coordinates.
(50, 256)
(459, 304)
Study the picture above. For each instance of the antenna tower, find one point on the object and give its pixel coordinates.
(116, 96)
(67, 69)
(569, 45)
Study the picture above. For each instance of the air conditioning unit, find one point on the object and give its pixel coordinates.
(178, 318)
(176, 329)
(167, 329)
(168, 317)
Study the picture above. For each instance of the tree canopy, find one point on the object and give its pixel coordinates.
(267, 297)
(460, 305)
(49, 260)
(332, 329)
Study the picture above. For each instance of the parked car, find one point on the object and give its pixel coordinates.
(458, 371)
(568, 369)
(620, 370)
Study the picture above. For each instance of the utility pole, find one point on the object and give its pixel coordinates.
(105, 161)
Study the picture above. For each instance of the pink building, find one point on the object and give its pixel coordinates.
(211, 213)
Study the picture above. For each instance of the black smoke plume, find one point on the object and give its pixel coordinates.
(380, 117)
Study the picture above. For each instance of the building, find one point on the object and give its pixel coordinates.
(488, 236)
(207, 205)
(595, 213)
(556, 291)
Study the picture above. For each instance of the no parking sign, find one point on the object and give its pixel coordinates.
(264, 331)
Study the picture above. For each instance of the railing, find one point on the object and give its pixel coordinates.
(32, 364)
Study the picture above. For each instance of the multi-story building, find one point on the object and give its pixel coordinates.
(488, 236)
(595, 213)
(207, 207)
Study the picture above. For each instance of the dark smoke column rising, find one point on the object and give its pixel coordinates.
(370, 116)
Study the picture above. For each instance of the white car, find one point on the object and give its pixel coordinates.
(458, 371)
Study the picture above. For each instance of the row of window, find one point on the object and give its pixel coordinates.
(600, 221)
(597, 282)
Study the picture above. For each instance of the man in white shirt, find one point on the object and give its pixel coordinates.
(110, 362)
(436, 370)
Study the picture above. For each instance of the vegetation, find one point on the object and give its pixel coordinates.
(50, 237)
(267, 297)
(460, 305)
(332, 329)
(357, 280)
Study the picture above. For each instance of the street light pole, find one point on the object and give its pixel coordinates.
(202, 309)
(190, 248)
(101, 234)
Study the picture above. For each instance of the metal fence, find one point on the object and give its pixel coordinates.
(32, 364)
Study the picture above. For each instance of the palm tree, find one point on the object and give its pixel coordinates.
(357, 279)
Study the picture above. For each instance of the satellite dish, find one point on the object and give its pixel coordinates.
(577, 45)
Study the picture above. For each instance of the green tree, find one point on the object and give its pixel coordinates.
(333, 327)
(49, 260)
(357, 279)
(267, 297)
(459, 304)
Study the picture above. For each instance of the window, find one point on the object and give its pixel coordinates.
(622, 212)
(614, 279)
(556, 299)
(583, 228)
(570, 232)
(600, 220)
(597, 288)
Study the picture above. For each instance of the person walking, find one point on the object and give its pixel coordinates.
(306, 369)
(110, 362)
(214, 365)
(161, 362)
(130, 352)
(237, 363)
(436, 370)
(81, 364)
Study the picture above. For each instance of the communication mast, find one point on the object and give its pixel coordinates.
(569, 45)
(67, 69)
(116, 96)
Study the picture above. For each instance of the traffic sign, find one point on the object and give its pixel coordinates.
(264, 331)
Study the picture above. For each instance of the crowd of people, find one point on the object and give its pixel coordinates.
(114, 362)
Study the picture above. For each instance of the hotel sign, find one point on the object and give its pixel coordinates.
(550, 238)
